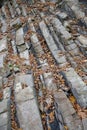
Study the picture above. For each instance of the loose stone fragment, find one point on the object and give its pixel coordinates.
(15, 23)
(11, 10)
(24, 11)
(20, 36)
(18, 11)
(62, 15)
(3, 44)
(83, 44)
(2, 58)
(78, 87)
(4, 11)
(83, 40)
(25, 56)
(21, 48)
(6, 93)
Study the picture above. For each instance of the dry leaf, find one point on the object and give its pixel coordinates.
(66, 128)
(82, 114)
(51, 115)
(72, 99)
(19, 129)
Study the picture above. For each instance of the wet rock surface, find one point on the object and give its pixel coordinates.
(43, 65)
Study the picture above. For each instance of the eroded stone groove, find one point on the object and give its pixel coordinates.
(43, 65)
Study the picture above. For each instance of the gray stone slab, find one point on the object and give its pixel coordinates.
(4, 11)
(55, 37)
(15, 22)
(51, 44)
(70, 123)
(49, 81)
(85, 20)
(4, 105)
(78, 87)
(66, 109)
(78, 122)
(14, 47)
(17, 87)
(27, 108)
(5, 122)
(18, 11)
(24, 11)
(31, 25)
(11, 10)
(62, 60)
(61, 29)
(26, 79)
(64, 102)
(0, 82)
(2, 59)
(19, 36)
(4, 119)
(36, 43)
(71, 60)
(4, 27)
(84, 121)
(62, 15)
(1, 62)
(73, 7)
(28, 115)
(25, 56)
(15, 3)
(25, 94)
(3, 44)
(43, 1)
(4, 127)
(21, 48)
(34, 39)
(83, 40)
(6, 93)
(74, 52)
(78, 12)
(4, 24)
(71, 46)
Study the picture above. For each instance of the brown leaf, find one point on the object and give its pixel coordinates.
(82, 114)
(72, 99)
(66, 128)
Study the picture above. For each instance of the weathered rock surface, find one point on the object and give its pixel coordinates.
(78, 87)
(83, 44)
(27, 104)
(20, 37)
(3, 44)
(51, 44)
(67, 111)
(49, 39)
(84, 121)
